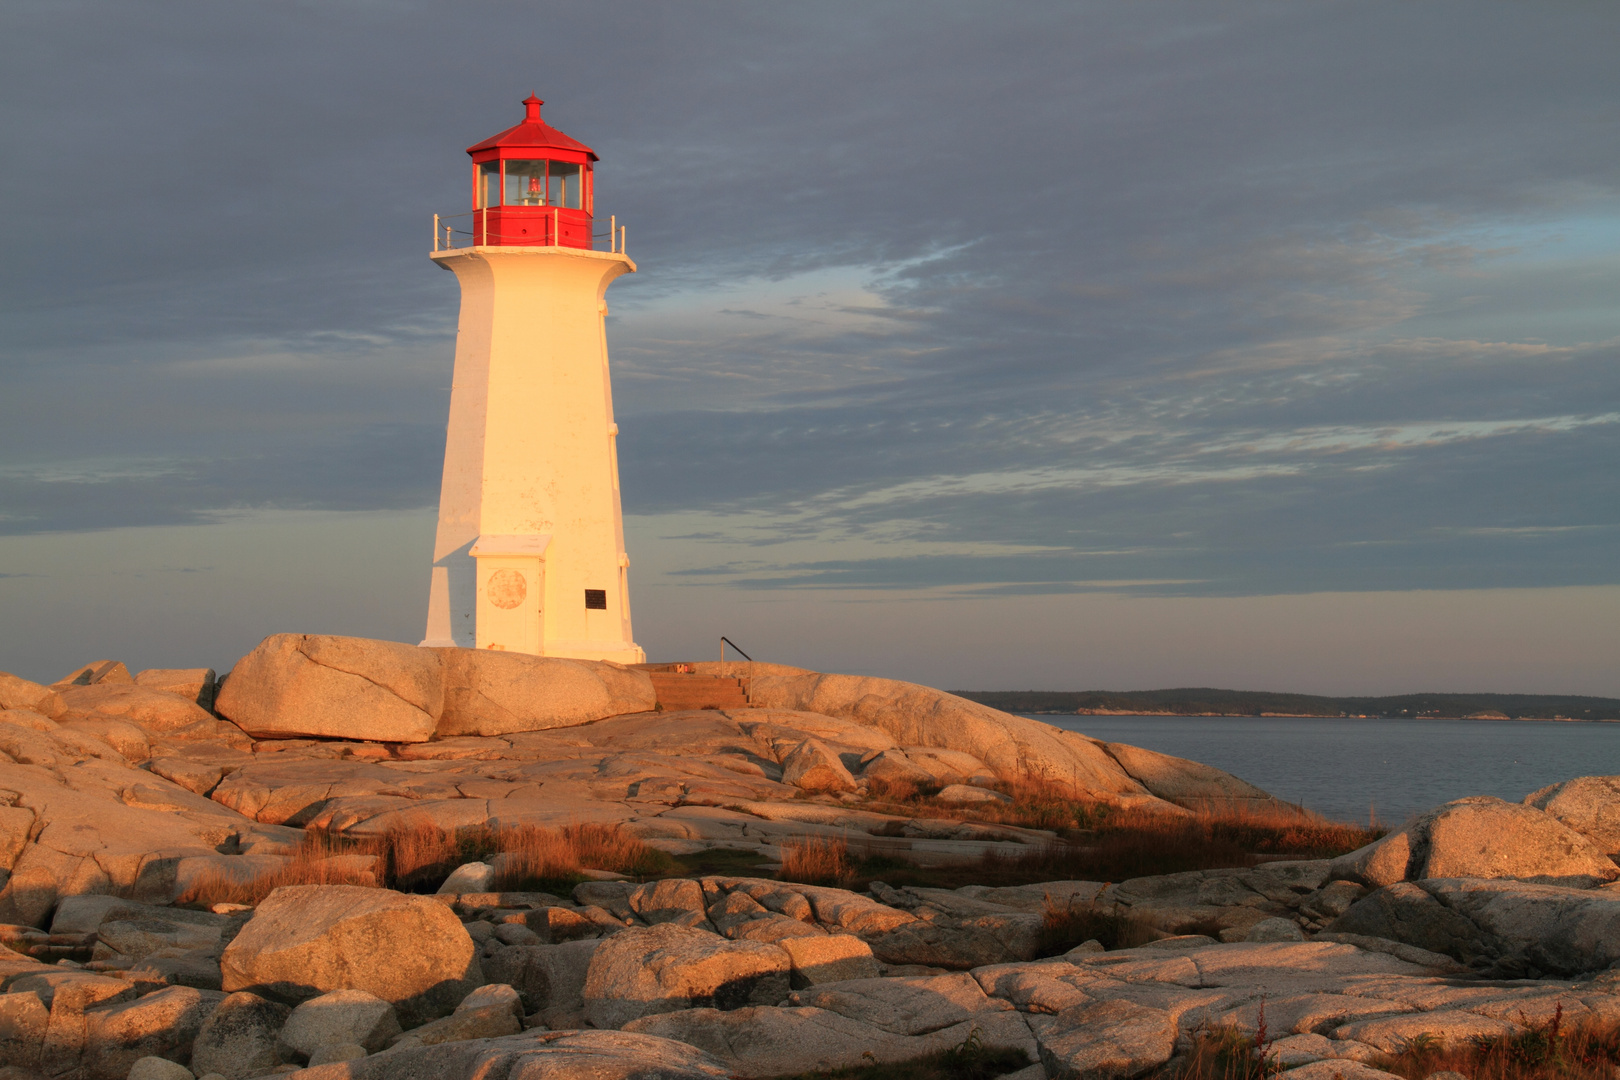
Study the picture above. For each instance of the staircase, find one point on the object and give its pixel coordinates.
(678, 691)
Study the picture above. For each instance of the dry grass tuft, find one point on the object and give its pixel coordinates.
(418, 856)
(321, 860)
(1547, 1051)
(537, 858)
(817, 860)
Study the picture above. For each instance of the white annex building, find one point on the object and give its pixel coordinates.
(530, 554)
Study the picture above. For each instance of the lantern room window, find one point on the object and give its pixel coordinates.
(531, 183)
(525, 183)
(565, 185)
(489, 184)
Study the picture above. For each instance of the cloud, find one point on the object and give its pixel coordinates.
(1111, 296)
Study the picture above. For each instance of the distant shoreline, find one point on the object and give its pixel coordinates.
(1205, 701)
(1319, 716)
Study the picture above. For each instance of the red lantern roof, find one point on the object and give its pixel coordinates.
(533, 133)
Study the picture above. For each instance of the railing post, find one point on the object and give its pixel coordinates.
(613, 232)
(435, 232)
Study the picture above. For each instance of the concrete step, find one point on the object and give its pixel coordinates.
(683, 691)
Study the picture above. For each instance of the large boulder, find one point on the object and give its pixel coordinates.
(666, 968)
(1588, 804)
(495, 693)
(294, 685)
(1509, 928)
(298, 685)
(1558, 931)
(1480, 837)
(305, 940)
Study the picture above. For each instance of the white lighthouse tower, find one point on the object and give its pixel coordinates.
(530, 554)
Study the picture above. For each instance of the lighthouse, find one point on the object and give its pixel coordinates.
(529, 556)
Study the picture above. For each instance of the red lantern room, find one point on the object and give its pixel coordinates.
(532, 186)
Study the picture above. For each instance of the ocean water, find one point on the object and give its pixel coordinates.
(1394, 768)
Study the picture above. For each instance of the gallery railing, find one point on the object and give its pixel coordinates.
(453, 231)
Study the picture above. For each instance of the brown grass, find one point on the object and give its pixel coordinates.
(1103, 843)
(1547, 1051)
(537, 857)
(417, 857)
(321, 860)
(817, 860)
(1278, 830)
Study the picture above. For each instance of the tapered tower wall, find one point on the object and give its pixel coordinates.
(531, 532)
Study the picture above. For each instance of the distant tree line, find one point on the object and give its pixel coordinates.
(1196, 701)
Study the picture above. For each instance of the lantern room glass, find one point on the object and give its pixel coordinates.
(565, 184)
(525, 183)
(532, 183)
(489, 184)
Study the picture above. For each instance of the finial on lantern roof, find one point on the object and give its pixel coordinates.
(531, 109)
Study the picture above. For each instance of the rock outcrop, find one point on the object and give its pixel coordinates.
(1013, 747)
(1588, 804)
(1481, 837)
(81, 820)
(1186, 783)
(1508, 928)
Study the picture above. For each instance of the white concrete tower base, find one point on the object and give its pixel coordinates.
(530, 554)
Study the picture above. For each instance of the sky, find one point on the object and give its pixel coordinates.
(993, 346)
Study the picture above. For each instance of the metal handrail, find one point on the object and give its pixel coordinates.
(748, 694)
(446, 235)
